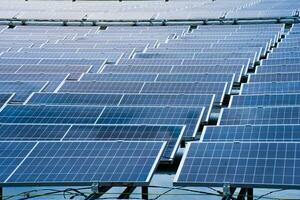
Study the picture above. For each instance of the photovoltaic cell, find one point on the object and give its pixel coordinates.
(75, 99)
(278, 68)
(21, 89)
(83, 163)
(12, 154)
(8, 68)
(189, 116)
(274, 77)
(265, 100)
(119, 77)
(260, 115)
(150, 62)
(171, 134)
(4, 98)
(101, 87)
(32, 132)
(271, 88)
(250, 133)
(141, 69)
(216, 88)
(50, 114)
(267, 165)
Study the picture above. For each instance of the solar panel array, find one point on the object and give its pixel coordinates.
(255, 142)
(107, 106)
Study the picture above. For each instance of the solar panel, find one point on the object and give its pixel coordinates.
(82, 99)
(101, 87)
(265, 100)
(217, 88)
(261, 133)
(274, 77)
(260, 115)
(22, 89)
(141, 61)
(271, 88)
(171, 134)
(4, 98)
(189, 116)
(12, 154)
(119, 77)
(278, 68)
(229, 69)
(292, 54)
(7, 68)
(267, 165)
(141, 69)
(32, 77)
(32, 132)
(75, 71)
(83, 163)
(18, 61)
(281, 61)
(96, 63)
(205, 62)
(50, 114)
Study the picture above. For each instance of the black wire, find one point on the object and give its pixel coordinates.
(160, 195)
(30, 191)
(77, 193)
(262, 196)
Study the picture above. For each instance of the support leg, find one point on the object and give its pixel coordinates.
(145, 194)
(250, 194)
(126, 193)
(242, 194)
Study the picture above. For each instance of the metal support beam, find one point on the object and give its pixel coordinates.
(242, 194)
(127, 192)
(145, 194)
(250, 194)
(228, 191)
(1, 193)
(97, 194)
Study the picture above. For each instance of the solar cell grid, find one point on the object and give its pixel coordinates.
(101, 87)
(32, 132)
(278, 68)
(142, 69)
(22, 89)
(273, 165)
(12, 154)
(270, 88)
(171, 134)
(265, 100)
(274, 77)
(74, 99)
(119, 77)
(189, 116)
(260, 115)
(4, 98)
(251, 133)
(83, 163)
(8, 68)
(36, 114)
(217, 88)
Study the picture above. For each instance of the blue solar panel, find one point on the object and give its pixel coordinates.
(150, 62)
(32, 132)
(118, 77)
(84, 163)
(271, 77)
(271, 88)
(101, 87)
(96, 63)
(260, 115)
(265, 100)
(292, 54)
(205, 77)
(32, 77)
(231, 61)
(4, 98)
(281, 61)
(268, 165)
(11, 155)
(216, 88)
(189, 116)
(50, 114)
(270, 133)
(171, 134)
(188, 100)
(226, 69)
(21, 89)
(75, 99)
(278, 68)
(16, 61)
(142, 69)
(8, 68)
